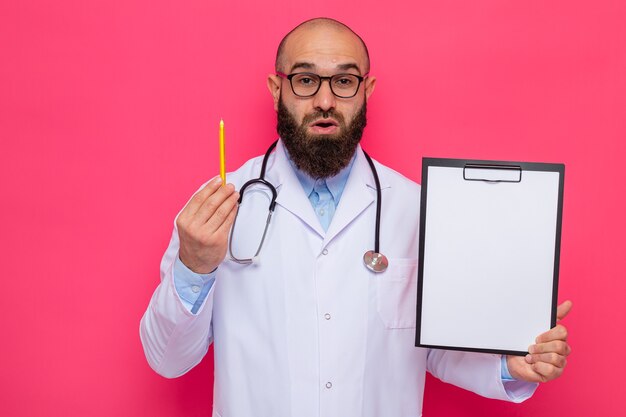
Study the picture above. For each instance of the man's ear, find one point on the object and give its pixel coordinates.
(273, 84)
(370, 84)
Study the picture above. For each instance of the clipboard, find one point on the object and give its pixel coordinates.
(489, 249)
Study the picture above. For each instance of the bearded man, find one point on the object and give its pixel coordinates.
(309, 330)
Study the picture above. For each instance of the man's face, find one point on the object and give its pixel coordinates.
(324, 125)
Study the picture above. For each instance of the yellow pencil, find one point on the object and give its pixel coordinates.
(222, 154)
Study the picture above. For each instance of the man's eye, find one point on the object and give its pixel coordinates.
(306, 81)
(344, 81)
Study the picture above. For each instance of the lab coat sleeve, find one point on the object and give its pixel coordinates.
(477, 372)
(174, 339)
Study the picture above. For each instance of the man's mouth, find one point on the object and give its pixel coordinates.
(324, 126)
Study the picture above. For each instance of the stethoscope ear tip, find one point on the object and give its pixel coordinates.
(256, 260)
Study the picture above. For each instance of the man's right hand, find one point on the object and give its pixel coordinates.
(204, 224)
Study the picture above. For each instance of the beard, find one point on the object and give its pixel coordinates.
(320, 156)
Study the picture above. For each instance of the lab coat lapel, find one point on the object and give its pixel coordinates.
(290, 193)
(359, 193)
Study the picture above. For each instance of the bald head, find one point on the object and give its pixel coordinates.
(311, 31)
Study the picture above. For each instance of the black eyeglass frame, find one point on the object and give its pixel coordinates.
(330, 84)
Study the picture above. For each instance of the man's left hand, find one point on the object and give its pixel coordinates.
(547, 357)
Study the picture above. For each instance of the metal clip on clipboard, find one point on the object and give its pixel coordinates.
(492, 174)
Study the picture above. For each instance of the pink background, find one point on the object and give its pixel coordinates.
(108, 122)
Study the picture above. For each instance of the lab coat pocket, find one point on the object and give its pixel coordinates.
(396, 293)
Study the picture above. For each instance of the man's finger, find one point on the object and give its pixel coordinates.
(198, 198)
(221, 213)
(563, 309)
(558, 332)
(212, 204)
(226, 225)
(546, 370)
(559, 346)
(552, 358)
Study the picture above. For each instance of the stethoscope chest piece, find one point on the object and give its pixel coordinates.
(374, 261)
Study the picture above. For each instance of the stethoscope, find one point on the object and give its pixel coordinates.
(373, 259)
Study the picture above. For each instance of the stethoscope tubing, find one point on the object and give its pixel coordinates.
(379, 200)
(371, 265)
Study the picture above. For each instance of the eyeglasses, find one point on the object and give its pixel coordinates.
(307, 84)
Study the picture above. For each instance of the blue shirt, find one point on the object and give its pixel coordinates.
(324, 194)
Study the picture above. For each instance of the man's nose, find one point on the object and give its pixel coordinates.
(324, 99)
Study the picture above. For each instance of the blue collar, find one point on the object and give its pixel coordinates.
(335, 184)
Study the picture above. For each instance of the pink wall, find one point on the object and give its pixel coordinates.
(108, 121)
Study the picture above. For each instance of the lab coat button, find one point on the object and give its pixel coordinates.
(322, 212)
(327, 316)
(325, 252)
(329, 385)
(195, 289)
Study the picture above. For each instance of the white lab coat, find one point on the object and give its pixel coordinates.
(310, 331)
